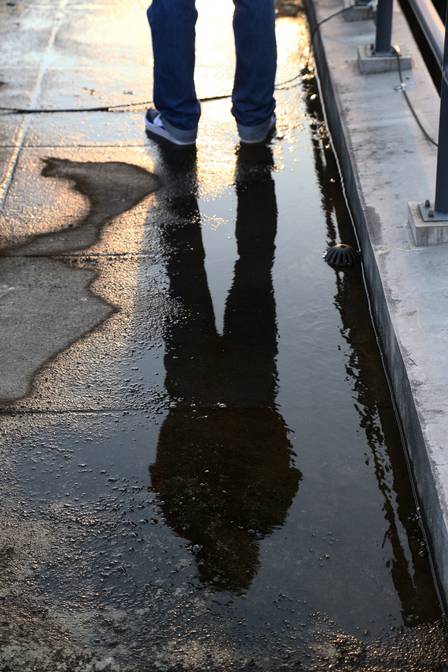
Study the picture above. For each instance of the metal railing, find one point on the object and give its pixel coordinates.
(436, 34)
(441, 199)
(431, 25)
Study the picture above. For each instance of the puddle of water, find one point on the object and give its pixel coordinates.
(260, 517)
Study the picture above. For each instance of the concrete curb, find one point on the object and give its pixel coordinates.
(381, 227)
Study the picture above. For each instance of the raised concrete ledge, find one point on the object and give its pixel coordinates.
(386, 163)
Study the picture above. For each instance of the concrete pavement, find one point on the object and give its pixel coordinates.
(200, 463)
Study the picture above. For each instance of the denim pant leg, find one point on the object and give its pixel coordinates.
(173, 40)
(256, 62)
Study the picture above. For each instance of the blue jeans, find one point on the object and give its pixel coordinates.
(173, 37)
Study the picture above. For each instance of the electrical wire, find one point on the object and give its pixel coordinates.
(325, 19)
(408, 100)
(105, 108)
(281, 86)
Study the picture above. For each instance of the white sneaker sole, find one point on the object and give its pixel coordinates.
(166, 135)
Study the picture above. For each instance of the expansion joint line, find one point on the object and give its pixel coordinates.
(24, 128)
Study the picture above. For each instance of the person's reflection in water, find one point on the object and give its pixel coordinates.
(224, 468)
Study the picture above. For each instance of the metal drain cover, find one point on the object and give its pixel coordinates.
(341, 255)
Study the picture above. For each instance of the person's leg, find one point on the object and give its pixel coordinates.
(173, 39)
(256, 61)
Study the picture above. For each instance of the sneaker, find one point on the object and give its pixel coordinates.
(254, 135)
(155, 125)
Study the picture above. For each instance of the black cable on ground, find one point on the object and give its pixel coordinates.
(408, 100)
(325, 19)
(105, 108)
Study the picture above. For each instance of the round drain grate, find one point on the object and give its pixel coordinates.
(341, 255)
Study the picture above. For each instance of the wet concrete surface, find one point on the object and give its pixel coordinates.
(201, 464)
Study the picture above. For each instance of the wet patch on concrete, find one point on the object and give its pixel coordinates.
(46, 304)
(98, 570)
(110, 188)
(125, 368)
(31, 205)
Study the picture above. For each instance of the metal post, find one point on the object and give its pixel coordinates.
(384, 27)
(441, 199)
